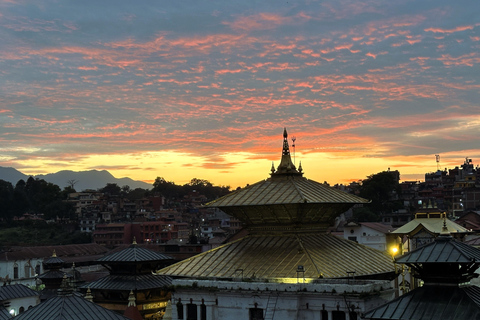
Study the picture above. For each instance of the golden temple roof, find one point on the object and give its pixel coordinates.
(286, 198)
(278, 257)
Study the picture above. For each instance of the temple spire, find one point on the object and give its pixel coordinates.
(286, 166)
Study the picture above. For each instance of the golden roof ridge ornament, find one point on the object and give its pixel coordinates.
(286, 166)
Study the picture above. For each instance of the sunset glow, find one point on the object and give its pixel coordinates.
(203, 89)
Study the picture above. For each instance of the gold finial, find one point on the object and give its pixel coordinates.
(300, 169)
(444, 228)
(54, 255)
(131, 299)
(134, 240)
(88, 295)
(273, 168)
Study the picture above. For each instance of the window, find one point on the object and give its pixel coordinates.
(191, 311)
(27, 270)
(203, 312)
(256, 314)
(324, 315)
(352, 239)
(338, 315)
(15, 271)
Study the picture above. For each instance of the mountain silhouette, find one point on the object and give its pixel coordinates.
(83, 180)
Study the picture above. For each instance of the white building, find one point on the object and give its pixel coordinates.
(373, 234)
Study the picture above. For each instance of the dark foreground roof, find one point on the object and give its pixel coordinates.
(134, 253)
(127, 283)
(444, 249)
(4, 314)
(15, 291)
(432, 302)
(69, 307)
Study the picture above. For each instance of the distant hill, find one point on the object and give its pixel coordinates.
(92, 179)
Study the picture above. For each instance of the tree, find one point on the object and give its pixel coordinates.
(166, 188)
(111, 189)
(382, 189)
(6, 200)
(363, 214)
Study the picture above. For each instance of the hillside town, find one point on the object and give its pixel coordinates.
(282, 248)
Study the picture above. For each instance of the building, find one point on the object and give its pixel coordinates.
(373, 234)
(287, 266)
(23, 264)
(426, 226)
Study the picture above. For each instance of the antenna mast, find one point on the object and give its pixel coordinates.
(293, 146)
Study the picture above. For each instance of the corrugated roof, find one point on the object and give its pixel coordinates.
(285, 200)
(4, 314)
(15, 291)
(134, 254)
(278, 256)
(69, 307)
(431, 302)
(124, 282)
(288, 190)
(434, 225)
(444, 249)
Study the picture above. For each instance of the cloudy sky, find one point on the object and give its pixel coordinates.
(184, 89)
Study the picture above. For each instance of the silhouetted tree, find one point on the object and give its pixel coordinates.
(382, 188)
(111, 189)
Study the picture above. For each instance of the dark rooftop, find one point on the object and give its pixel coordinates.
(69, 307)
(15, 291)
(431, 302)
(444, 249)
(134, 253)
(126, 282)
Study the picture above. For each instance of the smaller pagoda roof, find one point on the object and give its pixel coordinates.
(127, 282)
(431, 302)
(134, 253)
(70, 307)
(15, 291)
(433, 225)
(444, 249)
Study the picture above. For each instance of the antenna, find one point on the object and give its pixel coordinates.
(293, 146)
(437, 158)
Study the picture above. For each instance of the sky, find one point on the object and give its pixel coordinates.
(204, 89)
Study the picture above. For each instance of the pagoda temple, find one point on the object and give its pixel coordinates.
(287, 216)
(446, 267)
(131, 278)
